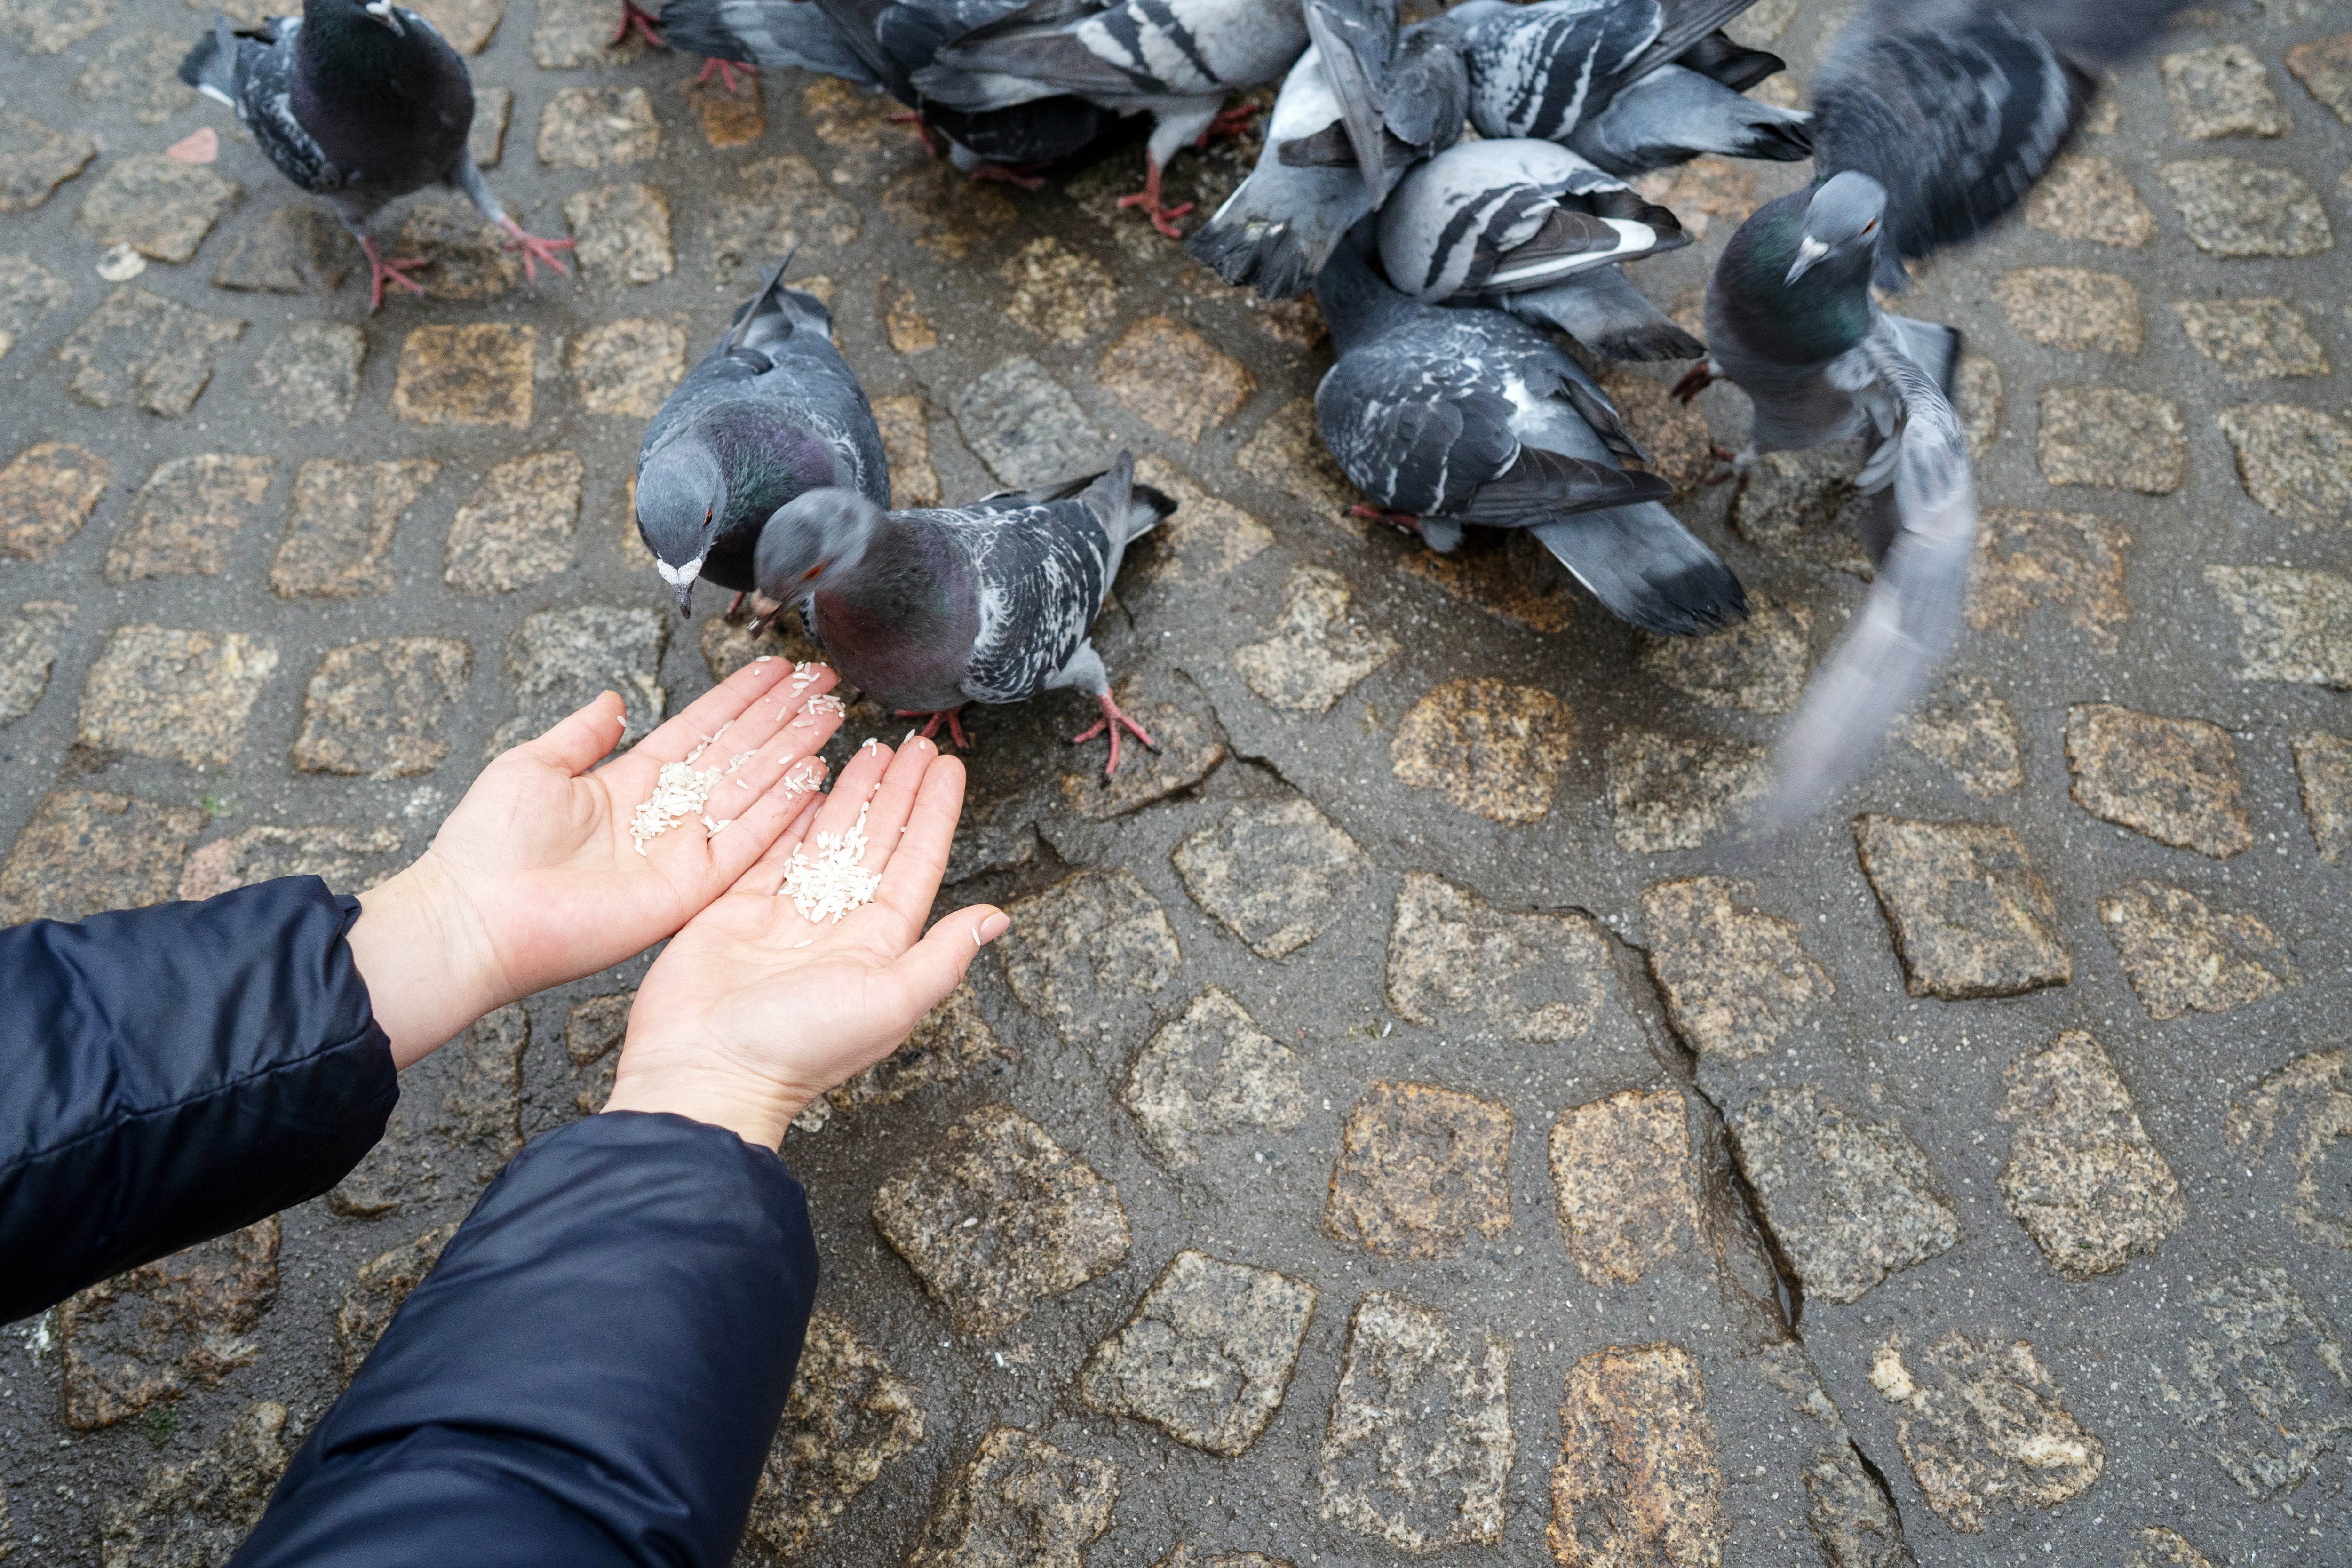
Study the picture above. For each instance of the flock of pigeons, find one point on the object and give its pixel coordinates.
(1453, 191)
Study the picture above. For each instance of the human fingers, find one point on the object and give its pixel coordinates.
(724, 704)
(853, 790)
(765, 875)
(580, 740)
(911, 879)
(934, 966)
(886, 814)
(755, 830)
(739, 808)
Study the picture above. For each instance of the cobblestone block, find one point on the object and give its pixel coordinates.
(598, 128)
(1185, 1557)
(30, 635)
(142, 348)
(159, 208)
(778, 204)
(2071, 308)
(199, 1510)
(1318, 650)
(903, 322)
(459, 1119)
(486, 139)
(1062, 295)
(1025, 427)
(2082, 1177)
(2219, 92)
(2069, 561)
(1756, 665)
(905, 429)
(622, 233)
(517, 527)
(28, 291)
(1803, 505)
(2291, 625)
(2108, 436)
(2087, 196)
(1189, 750)
(379, 1287)
(730, 116)
(1622, 1181)
(379, 709)
(1666, 793)
(946, 214)
(2233, 207)
(1637, 1480)
(1847, 1511)
(477, 375)
(847, 1416)
(629, 366)
(36, 160)
(1288, 453)
(560, 660)
(2323, 765)
(1419, 1170)
(1488, 746)
(1971, 915)
(297, 248)
(952, 1040)
(50, 26)
(157, 1332)
(1455, 959)
(1207, 1355)
(310, 375)
(1736, 979)
(340, 527)
(998, 1217)
(467, 25)
(1273, 874)
(1019, 1500)
(2180, 953)
(1848, 1202)
(84, 851)
(186, 518)
(1210, 1075)
(1174, 379)
(2251, 337)
(568, 34)
(1981, 1427)
(1507, 572)
(1976, 397)
(1207, 539)
(176, 696)
(470, 255)
(138, 75)
(2160, 1547)
(342, 858)
(1418, 1446)
(1084, 945)
(2175, 780)
(47, 492)
(2324, 66)
(1971, 733)
(1675, 434)
(2295, 462)
(1705, 192)
(2266, 1394)
(2310, 1100)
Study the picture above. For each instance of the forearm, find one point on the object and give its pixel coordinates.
(430, 968)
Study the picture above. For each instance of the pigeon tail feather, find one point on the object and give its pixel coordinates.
(211, 67)
(1648, 569)
(1540, 486)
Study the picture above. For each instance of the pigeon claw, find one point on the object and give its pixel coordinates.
(725, 70)
(734, 609)
(1006, 174)
(634, 16)
(1402, 520)
(1700, 377)
(383, 269)
(1238, 120)
(1112, 721)
(923, 131)
(1164, 218)
(535, 250)
(954, 717)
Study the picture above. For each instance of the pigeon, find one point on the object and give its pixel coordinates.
(1449, 416)
(988, 602)
(1522, 225)
(1607, 79)
(1278, 228)
(1174, 59)
(361, 104)
(771, 413)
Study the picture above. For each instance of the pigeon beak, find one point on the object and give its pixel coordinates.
(686, 600)
(383, 12)
(681, 579)
(1809, 251)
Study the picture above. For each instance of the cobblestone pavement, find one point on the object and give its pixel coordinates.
(1389, 1129)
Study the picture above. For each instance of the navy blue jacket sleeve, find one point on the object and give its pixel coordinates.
(173, 1073)
(591, 1375)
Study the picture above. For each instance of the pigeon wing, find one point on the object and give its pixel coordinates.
(1358, 38)
(1040, 574)
(1417, 433)
(773, 33)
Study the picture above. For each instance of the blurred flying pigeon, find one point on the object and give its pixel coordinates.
(1175, 59)
(1277, 230)
(360, 104)
(1630, 84)
(771, 413)
(988, 603)
(1464, 415)
(1523, 225)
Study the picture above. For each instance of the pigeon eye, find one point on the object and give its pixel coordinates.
(1870, 229)
(814, 573)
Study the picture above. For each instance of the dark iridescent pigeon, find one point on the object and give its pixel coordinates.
(988, 602)
(1458, 416)
(360, 104)
(1529, 227)
(771, 412)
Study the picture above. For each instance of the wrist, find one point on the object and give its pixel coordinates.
(755, 1109)
(421, 946)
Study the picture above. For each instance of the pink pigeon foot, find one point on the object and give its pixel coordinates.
(637, 17)
(1162, 217)
(1234, 122)
(535, 250)
(383, 270)
(953, 717)
(1404, 519)
(1005, 174)
(1113, 721)
(726, 70)
(734, 609)
(922, 129)
(1700, 377)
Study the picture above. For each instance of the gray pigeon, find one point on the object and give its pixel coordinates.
(771, 412)
(928, 610)
(1530, 227)
(1630, 84)
(1458, 416)
(1174, 59)
(361, 104)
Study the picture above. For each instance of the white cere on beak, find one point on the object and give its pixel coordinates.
(679, 576)
(382, 11)
(1809, 251)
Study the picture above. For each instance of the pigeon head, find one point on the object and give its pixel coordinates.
(681, 491)
(1841, 225)
(810, 539)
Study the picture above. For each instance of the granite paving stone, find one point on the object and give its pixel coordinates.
(467, 25)
(730, 116)
(1319, 651)
(47, 492)
(1185, 1557)
(623, 232)
(1487, 745)
(475, 374)
(1207, 539)
(87, 850)
(378, 1288)
(2324, 66)
(341, 525)
(1026, 426)
(470, 257)
(144, 350)
(1274, 874)
(1174, 379)
(310, 374)
(1756, 665)
(1418, 1449)
(1803, 505)
(1210, 1076)
(2071, 308)
(849, 1416)
(185, 518)
(1420, 1169)
(1208, 1354)
(1638, 1479)
(2295, 462)
(2323, 765)
(568, 34)
(2293, 626)
(947, 214)
(1189, 750)
(1062, 294)
(2221, 91)
(155, 1332)
(560, 660)
(486, 139)
(1667, 792)
(2251, 337)
(51, 27)
(197, 1509)
(159, 208)
(517, 527)
(1970, 914)
(998, 1217)
(181, 696)
(904, 424)
(2181, 953)
(137, 73)
(1977, 398)
(1674, 434)
(598, 128)
(2113, 438)
(2266, 1393)
(297, 248)
(1736, 979)
(1623, 1184)
(2175, 780)
(28, 291)
(379, 709)
(36, 159)
(347, 860)
(910, 330)
(1505, 573)
(2070, 562)
(1850, 1201)
(1287, 452)
(1079, 947)
(2083, 1176)
(2158, 1547)
(30, 636)
(2233, 207)
(1019, 1500)
(629, 366)
(1967, 731)
(952, 1041)
(1983, 1428)
(2088, 195)
(1457, 960)
(777, 205)
(2310, 1101)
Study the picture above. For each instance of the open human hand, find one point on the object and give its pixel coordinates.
(535, 878)
(754, 1010)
